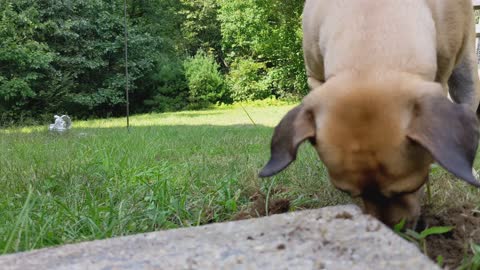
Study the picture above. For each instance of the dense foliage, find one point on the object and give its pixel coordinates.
(67, 56)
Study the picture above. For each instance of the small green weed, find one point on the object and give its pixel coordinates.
(472, 262)
(420, 239)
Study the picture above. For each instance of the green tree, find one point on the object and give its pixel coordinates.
(65, 56)
(201, 27)
(68, 56)
(266, 32)
(205, 82)
(23, 61)
(87, 38)
(164, 87)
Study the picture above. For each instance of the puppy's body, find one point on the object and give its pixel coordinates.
(425, 38)
(377, 114)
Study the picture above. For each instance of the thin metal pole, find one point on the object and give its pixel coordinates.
(126, 63)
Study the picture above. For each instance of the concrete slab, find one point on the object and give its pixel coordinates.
(339, 237)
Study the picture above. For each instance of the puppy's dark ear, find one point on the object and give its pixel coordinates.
(295, 127)
(449, 131)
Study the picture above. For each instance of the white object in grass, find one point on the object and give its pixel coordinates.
(62, 123)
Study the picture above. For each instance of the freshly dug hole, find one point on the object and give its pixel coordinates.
(259, 205)
(454, 245)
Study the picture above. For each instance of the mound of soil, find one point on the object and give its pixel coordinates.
(259, 207)
(454, 245)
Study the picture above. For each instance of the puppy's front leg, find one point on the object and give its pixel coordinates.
(463, 84)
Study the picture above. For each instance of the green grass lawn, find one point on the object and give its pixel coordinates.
(171, 170)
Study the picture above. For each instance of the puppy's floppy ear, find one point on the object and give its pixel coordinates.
(295, 127)
(449, 131)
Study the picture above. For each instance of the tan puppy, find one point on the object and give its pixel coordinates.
(378, 113)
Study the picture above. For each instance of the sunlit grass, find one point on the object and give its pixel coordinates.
(240, 113)
(174, 169)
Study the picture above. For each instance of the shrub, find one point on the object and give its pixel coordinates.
(205, 82)
(247, 80)
(170, 92)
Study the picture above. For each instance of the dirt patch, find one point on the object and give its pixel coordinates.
(259, 206)
(454, 245)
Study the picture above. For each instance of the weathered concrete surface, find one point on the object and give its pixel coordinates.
(338, 237)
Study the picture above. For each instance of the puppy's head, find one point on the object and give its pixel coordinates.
(378, 138)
